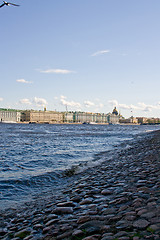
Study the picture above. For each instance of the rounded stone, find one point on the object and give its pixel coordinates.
(141, 224)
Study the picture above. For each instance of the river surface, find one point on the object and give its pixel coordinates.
(33, 157)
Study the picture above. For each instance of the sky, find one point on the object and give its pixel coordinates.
(84, 55)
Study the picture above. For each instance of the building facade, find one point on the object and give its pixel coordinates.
(131, 120)
(113, 118)
(10, 115)
(42, 117)
(68, 117)
(32, 116)
(87, 117)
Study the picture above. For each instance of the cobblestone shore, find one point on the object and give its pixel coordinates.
(119, 199)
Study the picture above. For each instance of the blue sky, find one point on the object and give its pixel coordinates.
(88, 55)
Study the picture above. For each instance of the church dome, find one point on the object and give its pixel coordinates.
(115, 111)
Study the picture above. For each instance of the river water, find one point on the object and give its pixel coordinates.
(33, 157)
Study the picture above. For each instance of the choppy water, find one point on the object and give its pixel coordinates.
(33, 157)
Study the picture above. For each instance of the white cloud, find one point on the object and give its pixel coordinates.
(101, 105)
(148, 108)
(64, 102)
(129, 107)
(1, 99)
(140, 106)
(88, 104)
(22, 81)
(25, 101)
(41, 102)
(57, 71)
(93, 106)
(100, 53)
(63, 97)
(113, 102)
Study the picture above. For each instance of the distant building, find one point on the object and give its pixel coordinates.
(42, 116)
(33, 116)
(9, 115)
(68, 117)
(149, 120)
(142, 120)
(131, 120)
(115, 112)
(89, 117)
(113, 118)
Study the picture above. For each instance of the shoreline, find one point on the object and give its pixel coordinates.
(118, 199)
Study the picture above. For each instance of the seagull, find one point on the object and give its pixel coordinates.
(7, 4)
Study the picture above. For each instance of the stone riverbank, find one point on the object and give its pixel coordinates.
(119, 199)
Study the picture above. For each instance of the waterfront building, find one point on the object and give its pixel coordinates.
(88, 117)
(113, 118)
(142, 120)
(68, 117)
(10, 115)
(131, 120)
(81, 117)
(32, 116)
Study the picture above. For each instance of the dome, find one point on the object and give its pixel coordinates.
(115, 111)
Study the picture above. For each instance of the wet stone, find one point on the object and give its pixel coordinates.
(63, 210)
(141, 224)
(3, 231)
(66, 204)
(91, 227)
(76, 199)
(51, 222)
(120, 234)
(130, 217)
(23, 233)
(86, 201)
(148, 215)
(50, 217)
(64, 235)
(83, 219)
(108, 236)
(47, 229)
(93, 237)
(106, 192)
(155, 227)
(110, 211)
(123, 225)
(78, 233)
(38, 226)
(142, 211)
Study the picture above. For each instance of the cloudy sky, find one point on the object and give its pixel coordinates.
(87, 55)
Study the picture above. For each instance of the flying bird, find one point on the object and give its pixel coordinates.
(8, 3)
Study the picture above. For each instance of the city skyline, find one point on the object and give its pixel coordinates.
(81, 56)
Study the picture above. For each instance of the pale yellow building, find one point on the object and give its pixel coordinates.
(42, 117)
(131, 120)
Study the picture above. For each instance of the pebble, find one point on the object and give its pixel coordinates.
(141, 224)
(63, 210)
